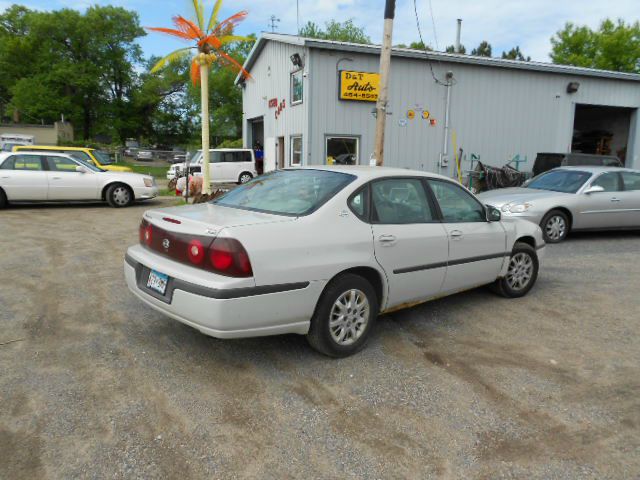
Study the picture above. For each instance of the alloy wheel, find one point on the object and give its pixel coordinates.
(520, 271)
(556, 227)
(349, 317)
(244, 178)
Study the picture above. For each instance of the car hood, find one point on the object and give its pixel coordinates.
(207, 218)
(502, 196)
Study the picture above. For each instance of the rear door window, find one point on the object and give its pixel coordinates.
(400, 201)
(23, 162)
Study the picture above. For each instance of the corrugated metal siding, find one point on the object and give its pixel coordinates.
(496, 113)
(271, 73)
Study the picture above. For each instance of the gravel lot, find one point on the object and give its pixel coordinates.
(98, 385)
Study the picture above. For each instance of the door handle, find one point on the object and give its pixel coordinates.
(614, 199)
(6, 176)
(387, 240)
(456, 235)
(56, 178)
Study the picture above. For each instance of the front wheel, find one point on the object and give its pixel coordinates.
(244, 177)
(344, 316)
(555, 226)
(3, 199)
(119, 196)
(522, 272)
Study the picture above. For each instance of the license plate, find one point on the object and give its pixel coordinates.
(157, 282)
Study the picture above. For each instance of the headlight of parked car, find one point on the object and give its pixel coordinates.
(516, 207)
(148, 181)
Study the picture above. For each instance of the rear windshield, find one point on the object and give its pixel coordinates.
(287, 192)
(567, 181)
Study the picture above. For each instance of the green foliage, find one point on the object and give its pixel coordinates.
(515, 54)
(452, 49)
(415, 46)
(614, 46)
(235, 143)
(482, 50)
(339, 31)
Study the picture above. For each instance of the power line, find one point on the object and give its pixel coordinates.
(433, 23)
(424, 45)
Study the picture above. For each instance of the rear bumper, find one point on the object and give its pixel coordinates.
(226, 312)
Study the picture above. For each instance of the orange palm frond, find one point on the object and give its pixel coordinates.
(212, 40)
(172, 32)
(195, 71)
(233, 62)
(230, 22)
(188, 27)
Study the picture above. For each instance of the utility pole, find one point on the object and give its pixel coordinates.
(273, 25)
(385, 63)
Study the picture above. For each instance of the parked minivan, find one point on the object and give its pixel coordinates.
(549, 161)
(237, 165)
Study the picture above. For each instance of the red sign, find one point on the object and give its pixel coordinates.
(280, 108)
(273, 103)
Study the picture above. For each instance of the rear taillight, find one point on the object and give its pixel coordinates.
(146, 233)
(225, 256)
(228, 257)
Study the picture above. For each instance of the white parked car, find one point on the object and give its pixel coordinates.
(227, 165)
(322, 251)
(52, 177)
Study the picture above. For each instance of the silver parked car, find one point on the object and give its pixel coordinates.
(573, 198)
(321, 251)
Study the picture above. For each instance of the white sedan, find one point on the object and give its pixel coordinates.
(54, 177)
(322, 251)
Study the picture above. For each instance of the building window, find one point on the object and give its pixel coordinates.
(296, 87)
(296, 150)
(342, 150)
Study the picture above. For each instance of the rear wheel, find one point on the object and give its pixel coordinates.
(3, 199)
(555, 226)
(119, 195)
(244, 177)
(522, 272)
(344, 316)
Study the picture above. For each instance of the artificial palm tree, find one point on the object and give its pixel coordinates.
(209, 46)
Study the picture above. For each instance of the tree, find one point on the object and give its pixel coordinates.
(515, 54)
(482, 50)
(452, 49)
(415, 46)
(342, 32)
(614, 46)
(210, 43)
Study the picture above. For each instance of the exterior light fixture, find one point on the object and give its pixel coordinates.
(573, 87)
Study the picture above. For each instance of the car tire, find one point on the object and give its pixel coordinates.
(3, 199)
(119, 195)
(244, 178)
(522, 272)
(354, 327)
(555, 226)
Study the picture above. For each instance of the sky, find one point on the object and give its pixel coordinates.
(527, 23)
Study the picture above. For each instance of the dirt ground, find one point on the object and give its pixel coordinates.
(94, 384)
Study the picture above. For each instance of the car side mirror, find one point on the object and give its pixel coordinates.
(493, 214)
(81, 169)
(594, 189)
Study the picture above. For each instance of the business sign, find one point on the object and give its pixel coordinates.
(273, 103)
(360, 86)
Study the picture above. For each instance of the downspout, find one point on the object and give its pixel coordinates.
(444, 157)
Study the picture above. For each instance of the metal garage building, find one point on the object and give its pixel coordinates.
(311, 102)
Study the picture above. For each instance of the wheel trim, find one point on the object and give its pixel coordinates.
(349, 317)
(520, 271)
(121, 196)
(244, 178)
(556, 227)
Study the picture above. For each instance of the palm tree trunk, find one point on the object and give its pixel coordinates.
(204, 93)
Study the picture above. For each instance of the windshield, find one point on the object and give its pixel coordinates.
(567, 181)
(287, 192)
(103, 157)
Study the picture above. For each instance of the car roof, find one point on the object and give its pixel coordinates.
(54, 147)
(369, 172)
(597, 169)
(4, 155)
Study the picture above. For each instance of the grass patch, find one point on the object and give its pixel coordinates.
(158, 172)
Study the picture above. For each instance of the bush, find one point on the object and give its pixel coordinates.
(237, 143)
